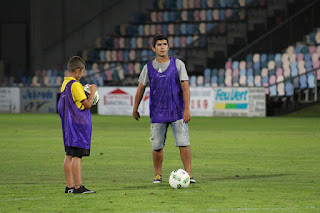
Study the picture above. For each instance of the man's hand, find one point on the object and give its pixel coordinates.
(136, 115)
(93, 88)
(186, 116)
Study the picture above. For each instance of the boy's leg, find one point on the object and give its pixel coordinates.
(68, 170)
(185, 153)
(76, 171)
(157, 156)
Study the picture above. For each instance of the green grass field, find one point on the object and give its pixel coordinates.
(240, 164)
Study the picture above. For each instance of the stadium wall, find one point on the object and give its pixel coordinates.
(59, 29)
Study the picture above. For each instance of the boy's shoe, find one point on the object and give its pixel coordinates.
(192, 180)
(69, 190)
(82, 190)
(157, 179)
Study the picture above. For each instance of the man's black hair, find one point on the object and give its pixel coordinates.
(157, 38)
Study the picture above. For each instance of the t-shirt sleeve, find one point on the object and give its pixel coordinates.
(143, 78)
(183, 74)
(78, 92)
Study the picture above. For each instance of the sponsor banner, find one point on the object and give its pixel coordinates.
(246, 102)
(257, 102)
(9, 99)
(201, 101)
(38, 100)
(120, 101)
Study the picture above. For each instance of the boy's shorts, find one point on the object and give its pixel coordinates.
(159, 134)
(77, 152)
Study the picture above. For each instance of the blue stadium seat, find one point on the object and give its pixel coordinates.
(288, 88)
(303, 81)
(311, 80)
(273, 90)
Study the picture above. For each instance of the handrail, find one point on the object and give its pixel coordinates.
(274, 29)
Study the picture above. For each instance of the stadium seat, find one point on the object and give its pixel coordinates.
(288, 88)
(243, 80)
(303, 81)
(273, 90)
(193, 81)
(311, 80)
(200, 80)
(280, 89)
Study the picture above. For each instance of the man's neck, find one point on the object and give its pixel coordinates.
(163, 59)
(70, 75)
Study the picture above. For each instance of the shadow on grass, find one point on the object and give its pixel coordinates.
(149, 186)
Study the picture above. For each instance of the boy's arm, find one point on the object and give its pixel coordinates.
(186, 99)
(137, 100)
(87, 103)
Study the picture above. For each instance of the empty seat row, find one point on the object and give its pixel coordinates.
(195, 4)
(197, 15)
(188, 28)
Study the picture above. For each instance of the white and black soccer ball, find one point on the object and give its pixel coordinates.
(96, 95)
(179, 179)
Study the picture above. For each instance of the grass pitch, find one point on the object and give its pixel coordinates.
(240, 164)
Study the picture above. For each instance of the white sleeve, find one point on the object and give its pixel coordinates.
(183, 74)
(143, 78)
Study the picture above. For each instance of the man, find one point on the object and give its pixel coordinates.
(169, 104)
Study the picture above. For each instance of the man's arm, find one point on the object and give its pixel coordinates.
(137, 100)
(186, 99)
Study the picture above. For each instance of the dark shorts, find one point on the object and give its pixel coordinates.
(77, 152)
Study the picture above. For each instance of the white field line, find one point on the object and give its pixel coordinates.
(23, 198)
(261, 209)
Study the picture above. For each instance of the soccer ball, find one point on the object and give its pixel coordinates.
(179, 179)
(96, 95)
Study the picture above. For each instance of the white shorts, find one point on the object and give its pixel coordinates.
(159, 134)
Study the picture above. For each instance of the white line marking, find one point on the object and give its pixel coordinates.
(23, 198)
(261, 209)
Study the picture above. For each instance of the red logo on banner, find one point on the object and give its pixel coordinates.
(205, 104)
(118, 97)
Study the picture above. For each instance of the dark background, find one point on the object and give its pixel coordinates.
(43, 34)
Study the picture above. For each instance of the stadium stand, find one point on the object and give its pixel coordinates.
(203, 33)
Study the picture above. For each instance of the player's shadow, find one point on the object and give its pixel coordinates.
(242, 177)
(148, 186)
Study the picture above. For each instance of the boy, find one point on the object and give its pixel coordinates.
(74, 110)
(169, 104)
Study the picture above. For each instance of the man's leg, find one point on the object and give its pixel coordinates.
(76, 171)
(158, 137)
(157, 156)
(68, 170)
(185, 153)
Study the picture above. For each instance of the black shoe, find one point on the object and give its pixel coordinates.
(69, 190)
(82, 190)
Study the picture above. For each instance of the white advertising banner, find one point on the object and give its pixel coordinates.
(120, 100)
(201, 101)
(9, 99)
(244, 102)
(204, 101)
(38, 99)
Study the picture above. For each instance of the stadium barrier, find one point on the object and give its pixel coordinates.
(204, 101)
(28, 99)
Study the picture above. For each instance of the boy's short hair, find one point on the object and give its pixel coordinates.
(76, 62)
(157, 38)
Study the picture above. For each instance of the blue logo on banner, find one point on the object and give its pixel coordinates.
(233, 95)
